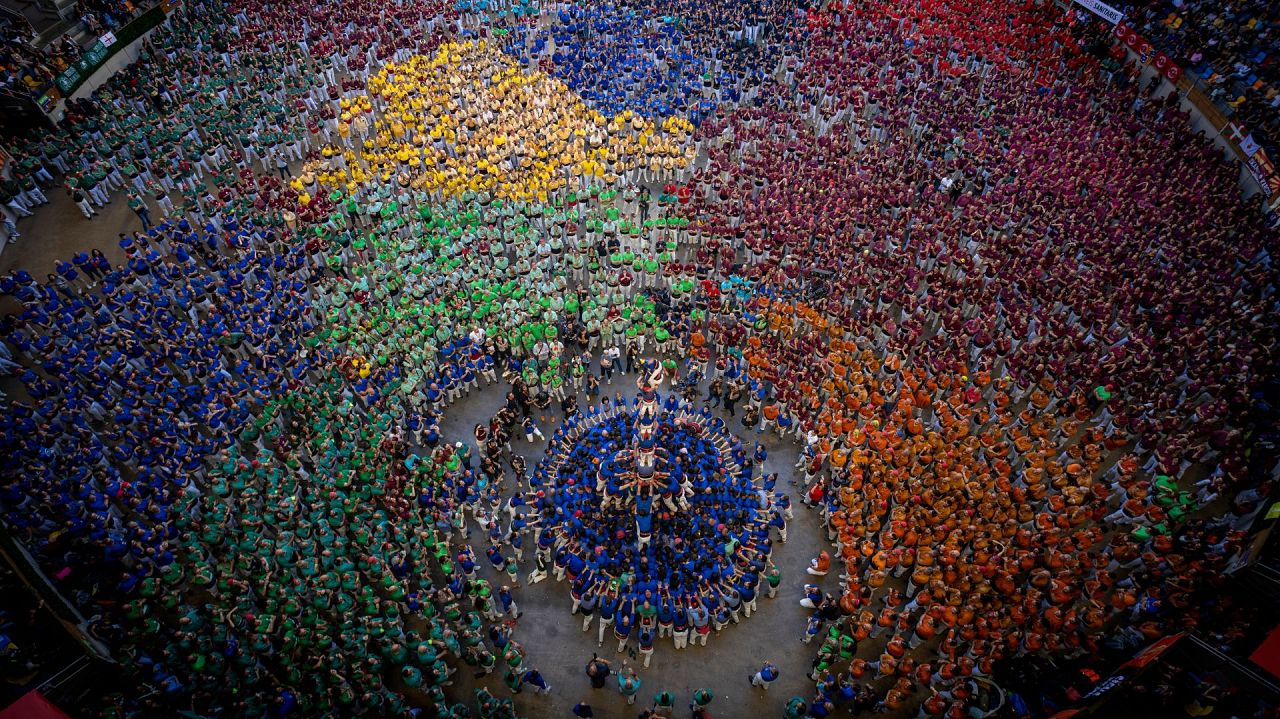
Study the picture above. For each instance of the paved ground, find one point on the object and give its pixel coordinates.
(559, 649)
(554, 640)
(58, 230)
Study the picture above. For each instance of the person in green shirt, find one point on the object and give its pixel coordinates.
(139, 207)
(664, 702)
(10, 198)
(1100, 396)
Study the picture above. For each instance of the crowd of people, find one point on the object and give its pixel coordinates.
(29, 67)
(99, 17)
(1012, 314)
(656, 519)
(23, 68)
(616, 60)
(657, 58)
(1232, 48)
(467, 119)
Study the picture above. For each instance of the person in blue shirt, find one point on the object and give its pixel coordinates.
(767, 675)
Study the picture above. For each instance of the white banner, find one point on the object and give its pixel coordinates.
(1102, 10)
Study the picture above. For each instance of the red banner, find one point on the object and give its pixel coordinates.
(1167, 67)
(1153, 652)
(1129, 35)
(1148, 54)
(32, 705)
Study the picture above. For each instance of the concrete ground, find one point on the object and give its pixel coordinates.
(58, 230)
(555, 644)
(559, 649)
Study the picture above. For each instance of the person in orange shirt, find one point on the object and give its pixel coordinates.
(926, 629)
(897, 696)
(887, 620)
(820, 565)
(769, 415)
(885, 666)
(896, 647)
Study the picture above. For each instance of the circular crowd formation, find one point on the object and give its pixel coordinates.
(680, 530)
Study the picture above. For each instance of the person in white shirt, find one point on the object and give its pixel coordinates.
(609, 363)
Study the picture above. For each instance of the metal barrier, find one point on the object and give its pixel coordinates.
(97, 54)
(1255, 167)
(71, 685)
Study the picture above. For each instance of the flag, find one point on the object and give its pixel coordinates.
(1144, 50)
(1264, 172)
(1268, 171)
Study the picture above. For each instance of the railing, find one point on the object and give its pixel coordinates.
(1259, 683)
(105, 48)
(13, 553)
(1248, 153)
(69, 686)
(13, 14)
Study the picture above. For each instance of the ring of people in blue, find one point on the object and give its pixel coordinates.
(653, 509)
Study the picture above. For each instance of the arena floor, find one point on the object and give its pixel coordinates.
(560, 650)
(557, 646)
(880, 299)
